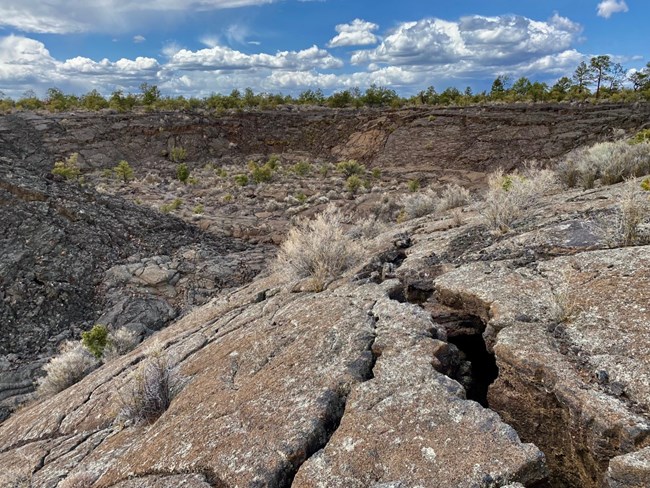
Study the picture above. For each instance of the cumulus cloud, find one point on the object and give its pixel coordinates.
(68, 16)
(27, 63)
(408, 58)
(357, 33)
(138, 39)
(225, 58)
(506, 40)
(607, 8)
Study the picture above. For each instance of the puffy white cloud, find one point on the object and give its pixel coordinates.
(357, 33)
(410, 57)
(391, 76)
(138, 39)
(26, 63)
(66, 16)
(225, 58)
(607, 8)
(121, 68)
(486, 40)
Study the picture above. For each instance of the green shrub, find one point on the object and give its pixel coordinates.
(174, 205)
(199, 209)
(221, 173)
(353, 183)
(507, 181)
(273, 162)
(301, 197)
(228, 198)
(645, 184)
(68, 168)
(641, 137)
(192, 180)
(376, 173)
(241, 179)
(302, 168)
(107, 173)
(182, 173)
(124, 171)
(178, 154)
(95, 340)
(350, 168)
(413, 185)
(260, 174)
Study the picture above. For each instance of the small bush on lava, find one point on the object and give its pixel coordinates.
(152, 388)
(318, 249)
(70, 366)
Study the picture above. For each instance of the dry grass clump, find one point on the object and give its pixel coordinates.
(418, 204)
(151, 390)
(119, 342)
(387, 209)
(609, 162)
(453, 196)
(634, 210)
(367, 228)
(318, 249)
(70, 366)
(511, 196)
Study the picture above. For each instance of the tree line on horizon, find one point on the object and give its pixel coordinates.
(600, 79)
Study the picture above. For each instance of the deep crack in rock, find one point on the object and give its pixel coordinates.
(478, 368)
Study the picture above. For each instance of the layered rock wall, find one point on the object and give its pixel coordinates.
(419, 139)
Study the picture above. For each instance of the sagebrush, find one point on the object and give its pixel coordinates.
(634, 210)
(318, 249)
(607, 162)
(119, 342)
(418, 204)
(64, 370)
(453, 196)
(510, 197)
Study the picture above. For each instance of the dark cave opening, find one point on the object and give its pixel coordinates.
(478, 367)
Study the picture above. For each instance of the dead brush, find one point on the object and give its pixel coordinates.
(453, 196)
(152, 388)
(633, 211)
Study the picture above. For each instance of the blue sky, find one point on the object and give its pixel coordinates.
(195, 47)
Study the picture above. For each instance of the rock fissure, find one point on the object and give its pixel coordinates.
(337, 414)
(477, 368)
(554, 395)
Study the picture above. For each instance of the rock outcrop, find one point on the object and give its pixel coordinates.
(425, 142)
(452, 356)
(57, 242)
(375, 381)
(272, 383)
